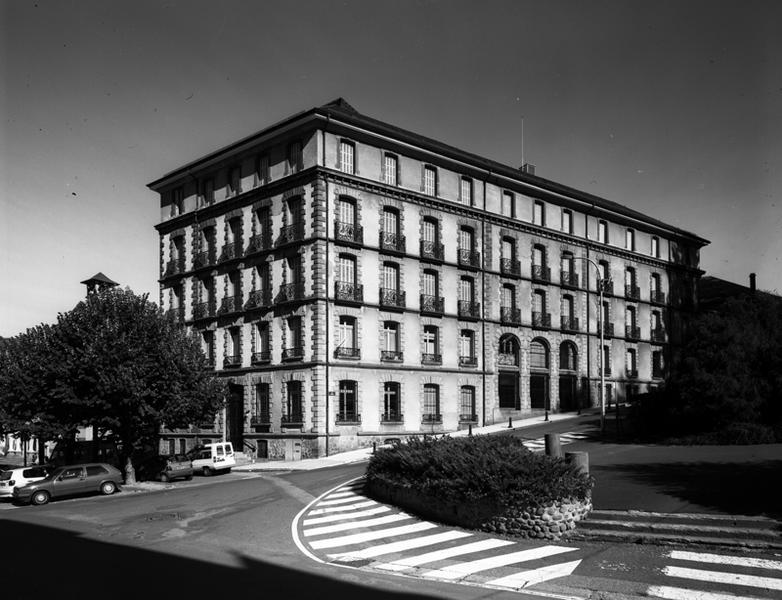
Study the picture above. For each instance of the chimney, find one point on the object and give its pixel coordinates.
(528, 168)
(751, 283)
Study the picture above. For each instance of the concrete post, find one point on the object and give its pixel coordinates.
(579, 460)
(553, 447)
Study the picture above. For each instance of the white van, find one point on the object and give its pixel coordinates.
(208, 459)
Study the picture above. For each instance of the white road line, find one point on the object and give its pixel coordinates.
(356, 524)
(414, 561)
(770, 583)
(674, 593)
(352, 498)
(419, 542)
(468, 568)
(321, 511)
(357, 538)
(343, 516)
(720, 559)
(341, 495)
(533, 576)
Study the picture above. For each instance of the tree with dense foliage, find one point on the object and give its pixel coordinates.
(114, 362)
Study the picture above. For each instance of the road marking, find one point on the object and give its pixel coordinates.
(468, 568)
(657, 526)
(341, 494)
(343, 516)
(352, 498)
(412, 544)
(320, 511)
(414, 561)
(368, 536)
(770, 583)
(533, 576)
(356, 524)
(720, 559)
(674, 593)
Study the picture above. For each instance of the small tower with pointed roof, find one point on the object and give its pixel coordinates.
(98, 283)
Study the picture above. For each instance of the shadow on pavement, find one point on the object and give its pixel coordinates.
(47, 563)
(734, 488)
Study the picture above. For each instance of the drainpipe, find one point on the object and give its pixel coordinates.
(483, 311)
(328, 331)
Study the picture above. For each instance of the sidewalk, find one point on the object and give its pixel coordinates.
(352, 456)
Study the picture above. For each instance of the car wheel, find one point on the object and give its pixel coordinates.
(164, 478)
(107, 488)
(207, 471)
(39, 498)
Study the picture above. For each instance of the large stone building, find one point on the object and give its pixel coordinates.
(355, 282)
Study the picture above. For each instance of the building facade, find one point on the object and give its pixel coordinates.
(356, 283)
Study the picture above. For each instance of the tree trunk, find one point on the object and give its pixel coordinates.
(130, 472)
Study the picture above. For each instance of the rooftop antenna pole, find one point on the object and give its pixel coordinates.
(522, 141)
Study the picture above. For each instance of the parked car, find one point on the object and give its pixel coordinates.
(167, 468)
(71, 480)
(208, 459)
(14, 478)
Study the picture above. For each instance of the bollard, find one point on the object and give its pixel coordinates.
(579, 459)
(510, 422)
(469, 429)
(553, 447)
(374, 447)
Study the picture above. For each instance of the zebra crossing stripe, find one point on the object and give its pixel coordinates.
(414, 561)
(770, 583)
(355, 524)
(369, 536)
(341, 495)
(721, 559)
(419, 542)
(351, 498)
(460, 570)
(533, 576)
(343, 516)
(674, 593)
(332, 509)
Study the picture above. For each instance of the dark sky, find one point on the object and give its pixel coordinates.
(671, 108)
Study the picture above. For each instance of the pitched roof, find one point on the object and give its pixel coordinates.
(99, 278)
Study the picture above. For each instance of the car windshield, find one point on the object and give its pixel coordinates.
(5, 475)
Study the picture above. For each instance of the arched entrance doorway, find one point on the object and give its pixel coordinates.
(539, 374)
(508, 361)
(234, 431)
(568, 382)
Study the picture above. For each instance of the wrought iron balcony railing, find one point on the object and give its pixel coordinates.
(348, 417)
(431, 250)
(569, 279)
(391, 355)
(291, 233)
(432, 304)
(392, 416)
(291, 291)
(632, 292)
(507, 358)
(204, 310)
(231, 251)
(204, 259)
(343, 352)
(607, 285)
(510, 266)
(258, 299)
(432, 359)
(348, 292)
(174, 267)
(263, 356)
(658, 334)
(469, 258)
(468, 361)
(631, 373)
(232, 361)
(657, 297)
(230, 304)
(569, 323)
(392, 242)
(263, 419)
(469, 310)
(541, 273)
(607, 370)
(608, 330)
(468, 418)
(540, 319)
(296, 418)
(392, 298)
(431, 418)
(259, 243)
(293, 353)
(348, 232)
(632, 332)
(510, 315)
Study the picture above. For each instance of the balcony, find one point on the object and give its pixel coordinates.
(432, 359)
(258, 299)
(568, 279)
(468, 361)
(508, 359)
(291, 233)
(392, 242)
(469, 259)
(231, 251)
(392, 417)
(260, 420)
(174, 267)
(259, 243)
(510, 315)
(432, 304)
(348, 292)
(348, 233)
(230, 304)
(569, 323)
(291, 292)
(391, 356)
(632, 332)
(469, 310)
(391, 298)
(431, 251)
(230, 362)
(294, 353)
(632, 292)
(541, 320)
(541, 273)
(657, 297)
(468, 418)
(264, 356)
(631, 373)
(348, 418)
(431, 418)
(292, 420)
(607, 285)
(204, 310)
(343, 352)
(204, 259)
(510, 267)
(608, 330)
(658, 334)
(607, 370)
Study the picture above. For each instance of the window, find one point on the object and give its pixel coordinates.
(605, 270)
(294, 157)
(465, 191)
(657, 363)
(607, 360)
(207, 192)
(630, 316)
(346, 269)
(602, 232)
(630, 239)
(508, 296)
(539, 301)
(466, 289)
(389, 276)
(390, 169)
(467, 403)
(508, 251)
(431, 410)
(538, 213)
(431, 341)
(508, 205)
(567, 308)
(390, 221)
(346, 336)
(208, 345)
(539, 256)
(262, 220)
(631, 290)
(567, 357)
(430, 231)
(632, 370)
(293, 402)
(234, 182)
(467, 347)
(466, 239)
(347, 157)
(294, 333)
(295, 211)
(430, 181)
(431, 283)
(262, 342)
(177, 202)
(538, 355)
(392, 406)
(567, 221)
(348, 405)
(568, 268)
(346, 211)
(655, 246)
(262, 169)
(262, 402)
(389, 342)
(234, 346)
(96, 471)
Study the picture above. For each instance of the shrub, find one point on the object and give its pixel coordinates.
(495, 469)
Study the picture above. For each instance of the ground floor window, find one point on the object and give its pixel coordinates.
(348, 404)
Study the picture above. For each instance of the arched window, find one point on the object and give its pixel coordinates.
(509, 350)
(568, 357)
(538, 355)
